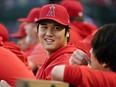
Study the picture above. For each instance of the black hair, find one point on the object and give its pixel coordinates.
(104, 45)
(37, 26)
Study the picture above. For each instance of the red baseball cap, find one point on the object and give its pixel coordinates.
(3, 32)
(70, 0)
(54, 12)
(32, 16)
(74, 8)
(21, 31)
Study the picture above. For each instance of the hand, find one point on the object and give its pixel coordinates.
(79, 58)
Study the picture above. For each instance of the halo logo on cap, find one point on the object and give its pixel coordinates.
(51, 12)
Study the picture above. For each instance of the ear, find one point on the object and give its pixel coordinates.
(68, 34)
(105, 65)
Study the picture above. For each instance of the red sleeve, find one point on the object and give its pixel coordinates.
(72, 75)
(12, 68)
(82, 76)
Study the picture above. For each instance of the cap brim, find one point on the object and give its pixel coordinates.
(25, 20)
(16, 35)
(54, 19)
(1, 38)
(22, 19)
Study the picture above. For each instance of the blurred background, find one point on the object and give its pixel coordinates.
(97, 11)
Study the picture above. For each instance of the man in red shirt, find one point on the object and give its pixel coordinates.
(12, 60)
(53, 32)
(4, 42)
(103, 63)
(75, 10)
(38, 54)
(20, 35)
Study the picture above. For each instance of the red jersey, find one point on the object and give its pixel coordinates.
(83, 76)
(29, 50)
(12, 68)
(85, 28)
(86, 43)
(38, 55)
(74, 35)
(61, 56)
(16, 50)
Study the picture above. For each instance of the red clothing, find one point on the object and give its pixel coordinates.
(86, 43)
(82, 76)
(16, 50)
(61, 56)
(74, 35)
(12, 68)
(38, 55)
(29, 50)
(85, 28)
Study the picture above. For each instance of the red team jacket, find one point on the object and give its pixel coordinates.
(12, 68)
(85, 28)
(38, 55)
(61, 56)
(74, 35)
(82, 76)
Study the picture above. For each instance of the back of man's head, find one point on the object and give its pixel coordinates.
(104, 45)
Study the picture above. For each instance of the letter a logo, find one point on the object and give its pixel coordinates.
(51, 12)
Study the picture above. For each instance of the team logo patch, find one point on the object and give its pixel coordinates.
(51, 12)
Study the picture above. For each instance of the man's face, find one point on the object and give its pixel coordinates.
(52, 35)
(30, 28)
(22, 43)
(31, 31)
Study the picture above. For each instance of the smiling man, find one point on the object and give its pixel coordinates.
(53, 32)
(52, 35)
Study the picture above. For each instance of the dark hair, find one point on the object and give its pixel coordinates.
(67, 30)
(104, 45)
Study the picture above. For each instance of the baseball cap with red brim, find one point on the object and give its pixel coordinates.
(74, 8)
(32, 16)
(20, 33)
(54, 12)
